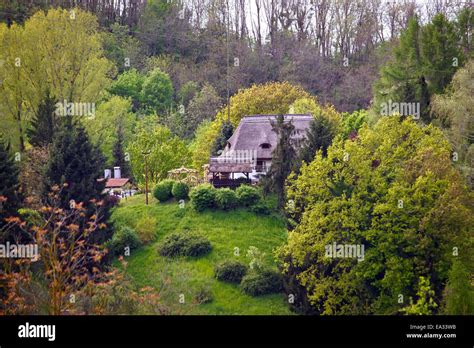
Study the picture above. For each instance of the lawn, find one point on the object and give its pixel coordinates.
(181, 280)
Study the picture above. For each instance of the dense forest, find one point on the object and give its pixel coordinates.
(152, 86)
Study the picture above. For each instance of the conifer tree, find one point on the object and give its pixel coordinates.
(119, 154)
(43, 125)
(283, 160)
(9, 185)
(318, 137)
(226, 132)
(74, 161)
(402, 80)
(440, 53)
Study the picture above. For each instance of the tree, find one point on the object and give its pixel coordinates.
(283, 158)
(9, 185)
(440, 53)
(318, 137)
(351, 123)
(76, 164)
(120, 160)
(203, 106)
(393, 192)
(402, 79)
(111, 114)
(166, 152)
(60, 51)
(157, 91)
(459, 293)
(425, 304)
(129, 85)
(453, 111)
(122, 48)
(226, 132)
(42, 127)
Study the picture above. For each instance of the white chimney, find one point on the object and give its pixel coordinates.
(107, 174)
(117, 173)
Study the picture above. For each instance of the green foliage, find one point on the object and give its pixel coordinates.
(318, 137)
(184, 244)
(453, 111)
(146, 229)
(180, 190)
(162, 191)
(425, 304)
(226, 199)
(76, 162)
(247, 195)
(166, 151)
(118, 153)
(261, 208)
(395, 192)
(439, 52)
(43, 125)
(284, 159)
(9, 185)
(225, 230)
(113, 120)
(122, 48)
(69, 62)
(203, 295)
(257, 259)
(157, 91)
(203, 197)
(231, 271)
(402, 79)
(261, 283)
(424, 63)
(459, 292)
(124, 237)
(203, 106)
(351, 123)
(187, 92)
(129, 84)
(225, 133)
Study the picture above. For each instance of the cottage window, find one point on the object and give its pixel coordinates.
(265, 146)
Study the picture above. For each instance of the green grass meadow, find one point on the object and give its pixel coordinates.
(179, 281)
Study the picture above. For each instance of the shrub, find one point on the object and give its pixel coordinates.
(146, 229)
(203, 295)
(184, 244)
(203, 197)
(226, 199)
(180, 190)
(162, 191)
(230, 271)
(260, 209)
(124, 237)
(247, 195)
(260, 283)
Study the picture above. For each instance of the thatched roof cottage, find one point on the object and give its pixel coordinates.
(248, 153)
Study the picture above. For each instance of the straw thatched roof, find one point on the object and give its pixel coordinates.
(255, 133)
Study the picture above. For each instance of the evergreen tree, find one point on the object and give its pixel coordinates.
(74, 161)
(459, 297)
(402, 80)
(440, 53)
(318, 137)
(43, 124)
(226, 132)
(9, 186)
(283, 160)
(119, 154)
